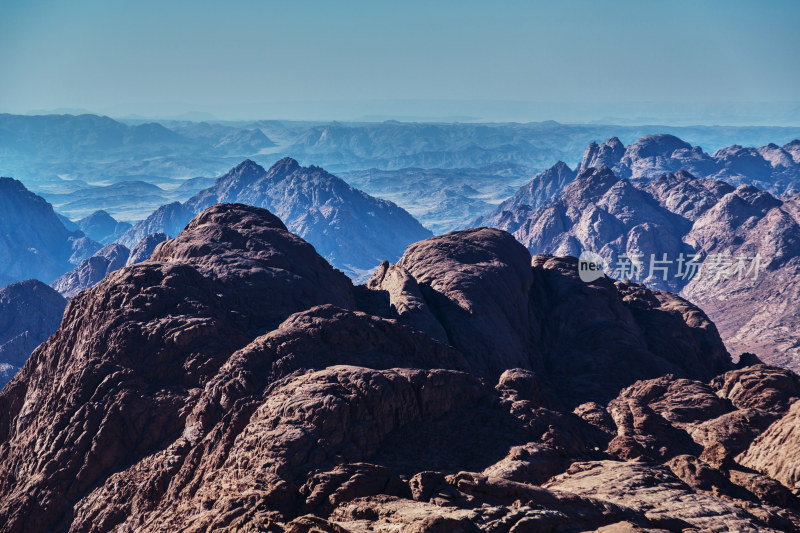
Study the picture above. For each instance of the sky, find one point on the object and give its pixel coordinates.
(501, 60)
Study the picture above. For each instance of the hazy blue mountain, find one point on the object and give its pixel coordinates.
(353, 230)
(169, 219)
(108, 259)
(47, 148)
(442, 199)
(30, 312)
(92, 270)
(144, 249)
(543, 188)
(191, 186)
(33, 241)
(233, 139)
(394, 145)
(102, 227)
(127, 200)
(70, 225)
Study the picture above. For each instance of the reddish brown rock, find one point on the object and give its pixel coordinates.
(230, 383)
(776, 452)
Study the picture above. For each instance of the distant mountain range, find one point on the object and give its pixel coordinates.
(662, 196)
(773, 168)
(351, 229)
(80, 163)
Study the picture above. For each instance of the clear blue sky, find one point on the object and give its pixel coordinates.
(241, 56)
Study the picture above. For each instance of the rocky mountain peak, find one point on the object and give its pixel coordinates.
(287, 165)
(607, 154)
(590, 185)
(656, 145)
(351, 229)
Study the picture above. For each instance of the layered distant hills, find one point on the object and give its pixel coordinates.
(662, 196)
(352, 230)
(237, 381)
(85, 163)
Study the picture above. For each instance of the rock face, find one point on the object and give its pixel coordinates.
(236, 381)
(33, 241)
(610, 216)
(351, 229)
(30, 312)
(102, 227)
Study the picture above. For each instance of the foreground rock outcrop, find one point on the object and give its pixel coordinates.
(236, 381)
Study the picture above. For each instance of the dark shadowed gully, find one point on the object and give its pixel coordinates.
(236, 381)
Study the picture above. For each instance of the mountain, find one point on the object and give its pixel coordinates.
(33, 241)
(92, 270)
(393, 145)
(607, 215)
(442, 199)
(30, 312)
(670, 218)
(145, 248)
(771, 168)
(108, 259)
(759, 312)
(351, 229)
(102, 227)
(467, 387)
(545, 186)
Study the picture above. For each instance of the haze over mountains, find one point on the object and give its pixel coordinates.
(86, 163)
(30, 312)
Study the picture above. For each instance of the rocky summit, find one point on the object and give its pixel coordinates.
(235, 381)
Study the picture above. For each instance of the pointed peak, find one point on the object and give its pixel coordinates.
(285, 165)
(247, 164)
